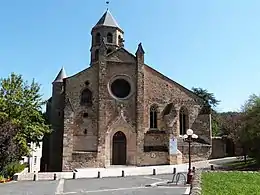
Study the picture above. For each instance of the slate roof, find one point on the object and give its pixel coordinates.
(107, 20)
(60, 76)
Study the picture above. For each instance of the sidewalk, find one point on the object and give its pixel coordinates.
(119, 171)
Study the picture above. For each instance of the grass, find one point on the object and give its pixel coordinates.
(241, 165)
(230, 183)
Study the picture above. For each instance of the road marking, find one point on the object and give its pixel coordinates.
(187, 191)
(157, 183)
(60, 187)
(154, 178)
(105, 190)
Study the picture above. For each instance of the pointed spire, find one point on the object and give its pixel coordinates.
(60, 76)
(140, 49)
(107, 20)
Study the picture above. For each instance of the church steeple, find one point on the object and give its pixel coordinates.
(107, 31)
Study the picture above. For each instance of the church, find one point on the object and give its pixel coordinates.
(121, 111)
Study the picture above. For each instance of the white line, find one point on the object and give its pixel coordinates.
(105, 190)
(158, 179)
(60, 187)
(187, 191)
(157, 183)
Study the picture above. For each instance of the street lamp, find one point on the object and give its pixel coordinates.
(188, 138)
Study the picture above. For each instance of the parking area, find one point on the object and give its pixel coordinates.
(121, 185)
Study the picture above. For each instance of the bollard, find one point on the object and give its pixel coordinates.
(154, 172)
(98, 174)
(123, 173)
(211, 167)
(34, 176)
(74, 175)
(174, 170)
(55, 176)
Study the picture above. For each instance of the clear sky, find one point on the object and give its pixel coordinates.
(213, 44)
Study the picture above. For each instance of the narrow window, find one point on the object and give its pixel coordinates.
(86, 97)
(97, 38)
(153, 117)
(109, 38)
(183, 119)
(35, 160)
(96, 54)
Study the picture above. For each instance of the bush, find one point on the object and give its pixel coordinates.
(12, 168)
(1, 178)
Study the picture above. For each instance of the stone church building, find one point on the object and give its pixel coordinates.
(121, 111)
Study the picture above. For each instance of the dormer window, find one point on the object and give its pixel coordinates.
(109, 38)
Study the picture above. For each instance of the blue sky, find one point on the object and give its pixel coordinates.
(204, 43)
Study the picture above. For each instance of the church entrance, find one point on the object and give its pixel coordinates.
(119, 149)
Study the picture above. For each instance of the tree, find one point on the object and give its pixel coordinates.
(209, 100)
(249, 134)
(20, 104)
(9, 150)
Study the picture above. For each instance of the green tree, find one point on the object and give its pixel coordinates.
(208, 97)
(210, 100)
(20, 104)
(250, 132)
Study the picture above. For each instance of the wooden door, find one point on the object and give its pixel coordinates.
(119, 149)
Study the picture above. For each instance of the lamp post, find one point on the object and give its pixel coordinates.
(188, 138)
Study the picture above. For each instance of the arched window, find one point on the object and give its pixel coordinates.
(153, 117)
(97, 38)
(96, 54)
(109, 38)
(183, 119)
(86, 97)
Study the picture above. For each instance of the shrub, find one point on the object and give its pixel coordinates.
(12, 168)
(1, 178)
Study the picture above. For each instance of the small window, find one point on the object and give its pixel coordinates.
(85, 131)
(183, 120)
(109, 38)
(85, 115)
(153, 117)
(97, 38)
(86, 83)
(86, 97)
(96, 55)
(35, 160)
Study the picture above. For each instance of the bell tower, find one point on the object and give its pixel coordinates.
(107, 31)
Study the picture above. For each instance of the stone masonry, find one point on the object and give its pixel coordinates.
(120, 108)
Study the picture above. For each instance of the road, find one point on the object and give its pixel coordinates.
(110, 186)
(104, 186)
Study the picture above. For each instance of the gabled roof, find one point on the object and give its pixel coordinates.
(107, 20)
(175, 83)
(61, 75)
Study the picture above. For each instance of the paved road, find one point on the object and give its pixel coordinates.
(110, 186)
(116, 186)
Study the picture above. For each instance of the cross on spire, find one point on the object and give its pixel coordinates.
(107, 2)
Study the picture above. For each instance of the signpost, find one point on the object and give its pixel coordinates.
(173, 146)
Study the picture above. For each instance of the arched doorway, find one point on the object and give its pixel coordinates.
(119, 149)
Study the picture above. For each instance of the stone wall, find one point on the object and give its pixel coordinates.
(155, 158)
(77, 128)
(218, 147)
(162, 91)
